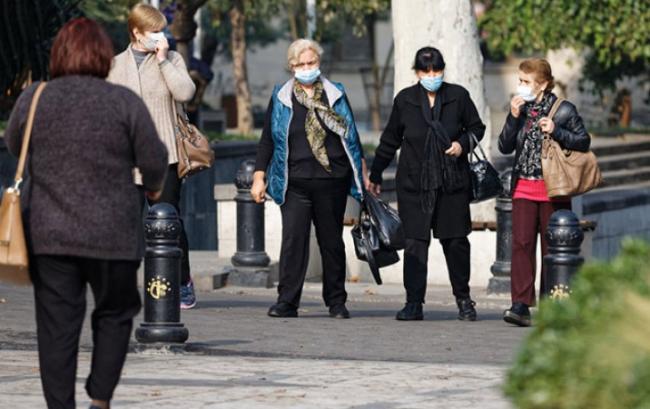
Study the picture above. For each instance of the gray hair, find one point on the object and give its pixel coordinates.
(299, 46)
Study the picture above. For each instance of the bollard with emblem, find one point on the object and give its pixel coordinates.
(162, 266)
(500, 283)
(564, 236)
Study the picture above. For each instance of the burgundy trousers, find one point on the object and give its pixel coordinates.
(529, 218)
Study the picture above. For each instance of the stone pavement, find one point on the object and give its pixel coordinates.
(237, 357)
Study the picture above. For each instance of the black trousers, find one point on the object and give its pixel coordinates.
(416, 256)
(60, 296)
(321, 201)
(172, 194)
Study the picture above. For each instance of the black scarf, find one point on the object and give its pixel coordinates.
(438, 169)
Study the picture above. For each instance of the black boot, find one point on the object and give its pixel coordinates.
(518, 314)
(339, 311)
(283, 310)
(466, 310)
(412, 311)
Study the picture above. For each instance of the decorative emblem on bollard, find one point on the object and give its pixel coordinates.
(162, 266)
(158, 288)
(560, 292)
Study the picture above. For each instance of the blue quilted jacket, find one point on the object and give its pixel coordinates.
(277, 173)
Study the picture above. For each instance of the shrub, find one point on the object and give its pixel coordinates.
(591, 350)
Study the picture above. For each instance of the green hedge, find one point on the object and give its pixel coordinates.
(592, 350)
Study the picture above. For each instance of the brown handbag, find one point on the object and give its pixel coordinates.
(14, 264)
(567, 172)
(194, 151)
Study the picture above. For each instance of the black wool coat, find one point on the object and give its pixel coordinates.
(407, 130)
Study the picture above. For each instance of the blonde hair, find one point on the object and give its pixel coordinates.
(300, 46)
(541, 69)
(145, 18)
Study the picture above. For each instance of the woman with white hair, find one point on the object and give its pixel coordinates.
(309, 159)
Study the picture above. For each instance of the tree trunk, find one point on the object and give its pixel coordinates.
(450, 26)
(183, 27)
(238, 48)
(375, 98)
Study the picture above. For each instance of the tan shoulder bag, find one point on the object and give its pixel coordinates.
(567, 172)
(13, 249)
(194, 151)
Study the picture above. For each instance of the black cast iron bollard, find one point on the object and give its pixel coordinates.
(564, 237)
(500, 283)
(162, 274)
(250, 260)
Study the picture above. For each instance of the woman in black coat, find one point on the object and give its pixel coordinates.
(431, 122)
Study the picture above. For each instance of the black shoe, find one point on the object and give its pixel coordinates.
(283, 310)
(412, 311)
(466, 310)
(339, 311)
(518, 314)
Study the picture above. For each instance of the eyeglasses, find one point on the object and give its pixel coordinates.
(305, 64)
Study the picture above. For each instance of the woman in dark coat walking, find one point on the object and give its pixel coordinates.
(83, 213)
(431, 122)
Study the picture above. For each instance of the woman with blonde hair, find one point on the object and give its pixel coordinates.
(160, 77)
(309, 159)
(523, 132)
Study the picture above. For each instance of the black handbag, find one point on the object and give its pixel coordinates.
(378, 235)
(485, 179)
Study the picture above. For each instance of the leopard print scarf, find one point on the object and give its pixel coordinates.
(316, 110)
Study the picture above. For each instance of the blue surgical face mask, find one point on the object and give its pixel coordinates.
(526, 92)
(432, 84)
(307, 77)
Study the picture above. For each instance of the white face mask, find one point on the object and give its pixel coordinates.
(149, 41)
(526, 93)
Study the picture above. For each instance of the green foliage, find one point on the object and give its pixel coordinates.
(615, 33)
(354, 12)
(591, 350)
(112, 14)
(107, 10)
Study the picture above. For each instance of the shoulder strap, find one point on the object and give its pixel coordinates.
(473, 143)
(28, 134)
(555, 107)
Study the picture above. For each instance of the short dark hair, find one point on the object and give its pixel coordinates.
(428, 58)
(81, 47)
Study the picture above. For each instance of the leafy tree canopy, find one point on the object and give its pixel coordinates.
(615, 33)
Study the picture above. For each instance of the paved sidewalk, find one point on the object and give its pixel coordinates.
(189, 381)
(237, 357)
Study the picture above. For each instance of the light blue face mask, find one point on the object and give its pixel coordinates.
(432, 84)
(307, 77)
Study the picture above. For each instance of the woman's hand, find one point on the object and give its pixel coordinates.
(455, 149)
(515, 105)
(162, 46)
(547, 125)
(258, 190)
(374, 189)
(364, 172)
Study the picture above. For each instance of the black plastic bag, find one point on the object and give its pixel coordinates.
(386, 222)
(485, 179)
(378, 235)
